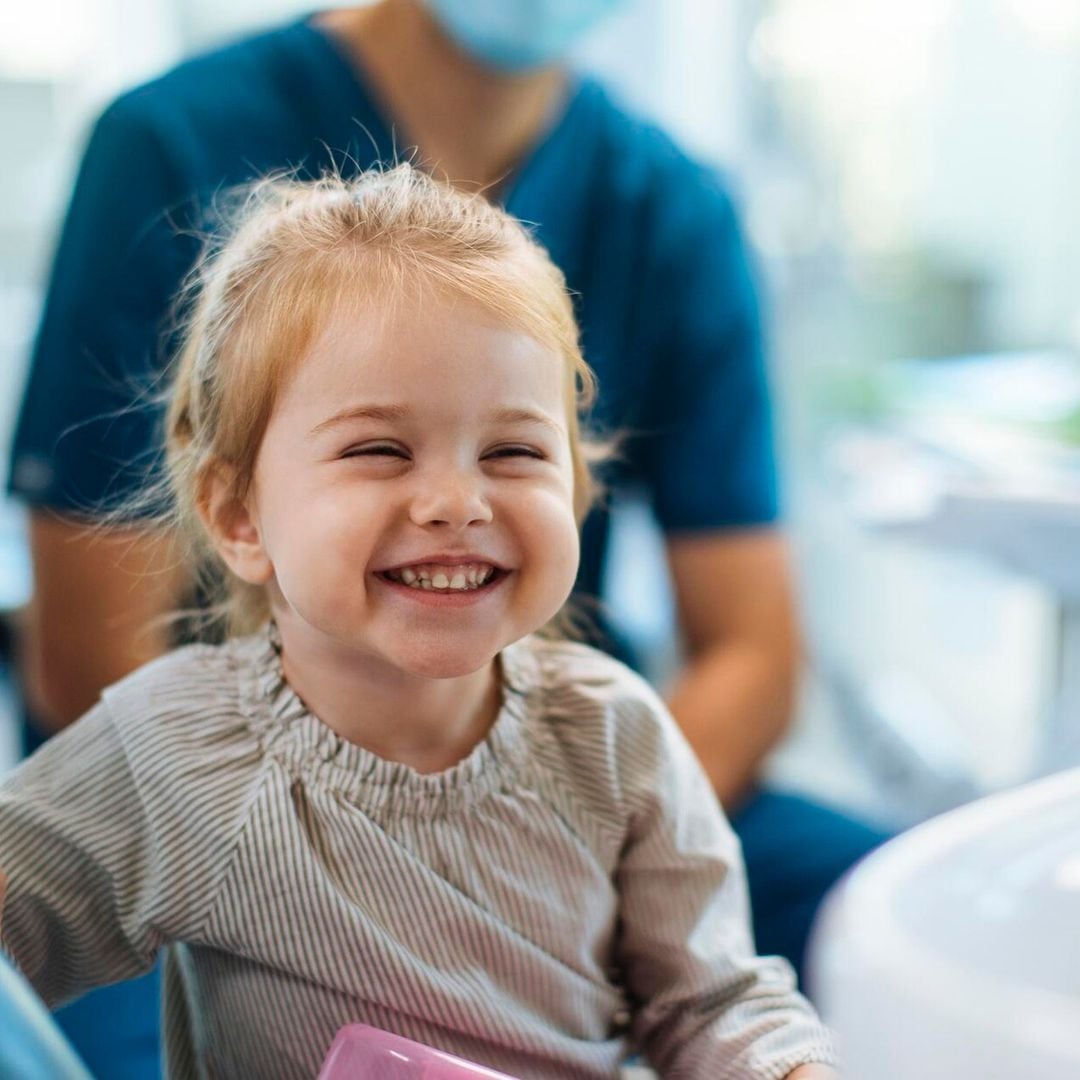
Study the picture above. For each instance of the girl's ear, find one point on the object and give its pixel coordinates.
(232, 527)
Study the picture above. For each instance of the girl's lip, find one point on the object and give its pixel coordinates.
(459, 598)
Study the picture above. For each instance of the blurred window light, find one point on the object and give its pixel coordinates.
(45, 39)
(1068, 874)
(209, 22)
(879, 50)
(786, 218)
(877, 191)
(1054, 23)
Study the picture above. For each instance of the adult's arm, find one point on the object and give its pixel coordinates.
(87, 432)
(733, 698)
(96, 613)
(708, 460)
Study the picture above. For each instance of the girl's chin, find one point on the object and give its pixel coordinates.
(448, 660)
(445, 670)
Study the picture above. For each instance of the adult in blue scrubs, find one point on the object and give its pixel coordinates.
(650, 244)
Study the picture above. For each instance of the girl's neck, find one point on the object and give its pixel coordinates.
(472, 124)
(428, 724)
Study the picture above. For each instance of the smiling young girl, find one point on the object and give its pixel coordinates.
(385, 798)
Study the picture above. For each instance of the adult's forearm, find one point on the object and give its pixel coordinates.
(734, 702)
(735, 695)
(97, 612)
(64, 674)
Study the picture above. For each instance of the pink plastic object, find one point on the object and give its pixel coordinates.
(364, 1053)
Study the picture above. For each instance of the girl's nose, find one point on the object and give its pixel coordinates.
(452, 499)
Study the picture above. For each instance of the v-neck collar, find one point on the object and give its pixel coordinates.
(380, 127)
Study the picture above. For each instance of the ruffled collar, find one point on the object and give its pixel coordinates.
(314, 753)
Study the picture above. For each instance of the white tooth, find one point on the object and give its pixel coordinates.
(424, 583)
(471, 575)
(408, 576)
(440, 580)
(458, 581)
(484, 575)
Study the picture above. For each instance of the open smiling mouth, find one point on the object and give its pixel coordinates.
(437, 578)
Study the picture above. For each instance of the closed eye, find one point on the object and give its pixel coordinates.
(379, 450)
(517, 451)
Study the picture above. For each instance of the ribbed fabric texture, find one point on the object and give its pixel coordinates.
(567, 892)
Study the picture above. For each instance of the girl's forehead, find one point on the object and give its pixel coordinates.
(440, 360)
(430, 342)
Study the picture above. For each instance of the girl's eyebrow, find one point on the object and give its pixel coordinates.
(386, 413)
(526, 416)
(397, 413)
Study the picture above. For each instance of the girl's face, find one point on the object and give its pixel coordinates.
(413, 495)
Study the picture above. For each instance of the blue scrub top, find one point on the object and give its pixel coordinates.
(648, 240)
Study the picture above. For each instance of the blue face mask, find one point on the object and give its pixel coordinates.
(517, 34)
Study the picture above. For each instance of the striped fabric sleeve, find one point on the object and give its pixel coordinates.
(77, 850)
(705, 1003)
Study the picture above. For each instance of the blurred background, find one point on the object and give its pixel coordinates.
(907, 173)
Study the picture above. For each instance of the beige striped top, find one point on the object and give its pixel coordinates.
(567, 892)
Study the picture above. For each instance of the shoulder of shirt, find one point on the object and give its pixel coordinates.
(195, 763)
(183, 704)
(206, 88)
(590, 695)
(643, 162)
(172, 668)
(573, 667)
(604, 732)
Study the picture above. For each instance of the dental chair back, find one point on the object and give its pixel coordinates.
(953, 952)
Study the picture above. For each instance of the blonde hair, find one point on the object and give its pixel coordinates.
(262, 292)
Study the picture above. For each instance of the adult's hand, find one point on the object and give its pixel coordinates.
(813, 1072)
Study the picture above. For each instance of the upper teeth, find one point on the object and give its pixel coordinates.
(462, 576)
